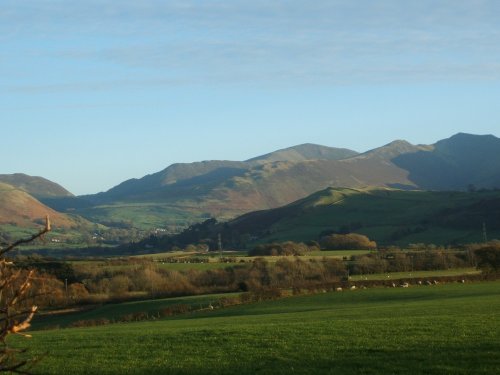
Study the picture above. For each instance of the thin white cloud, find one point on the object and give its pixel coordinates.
(167, 43)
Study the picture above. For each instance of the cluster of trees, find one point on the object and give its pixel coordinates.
(147, 277)
(56, 284)
(143, 276)
(487, 256)
(283, 248)
(61, 283)
(349, 241)
(399, 261)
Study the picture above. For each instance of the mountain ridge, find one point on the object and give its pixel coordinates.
(184, 193)
(305, 151)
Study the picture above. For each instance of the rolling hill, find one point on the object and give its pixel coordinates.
(388, 216)
(185, 193)
(385, 215)
(38, 187)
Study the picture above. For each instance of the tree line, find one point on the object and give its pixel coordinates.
(59, 284)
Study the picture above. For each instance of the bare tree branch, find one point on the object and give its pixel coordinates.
(14, 318)
(27, 240)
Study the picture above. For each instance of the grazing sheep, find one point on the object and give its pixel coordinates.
(393, 285)
(463, 281)
(405, 285)
(353, 287)
(428, 282)
(436, 282)
(338, 289)
(419, 282)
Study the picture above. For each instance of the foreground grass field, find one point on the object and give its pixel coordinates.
(444, 329)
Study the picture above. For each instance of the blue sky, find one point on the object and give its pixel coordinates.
(96, 92)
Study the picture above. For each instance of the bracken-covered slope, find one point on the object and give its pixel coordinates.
(188, 180)
(21, 213)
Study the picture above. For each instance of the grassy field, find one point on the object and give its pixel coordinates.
(444, 329)
(337, 253)
(144, 216)
(114, 311)
(416, 274)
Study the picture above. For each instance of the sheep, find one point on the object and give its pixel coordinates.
(338, 289)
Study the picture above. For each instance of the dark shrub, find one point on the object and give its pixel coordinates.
(351, 241)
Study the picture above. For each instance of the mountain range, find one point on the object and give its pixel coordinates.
(182, 194)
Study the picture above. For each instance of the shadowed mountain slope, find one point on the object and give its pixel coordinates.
(456, 163)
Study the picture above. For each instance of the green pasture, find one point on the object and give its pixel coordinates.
(168, 254)
(416, 274)
(114, 311)
(176, 254)
(144, 215)
(337, 253)
(443, 329)
(194, 266)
